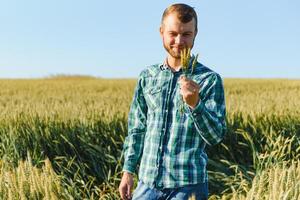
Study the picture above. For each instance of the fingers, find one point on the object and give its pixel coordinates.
(182, 77)
(128, 192)
(189, 87)
(194, 84)
(189, 91)
(185, 81)
(126, 186)
(123, 191)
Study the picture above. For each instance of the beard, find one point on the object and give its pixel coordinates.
(175, 53)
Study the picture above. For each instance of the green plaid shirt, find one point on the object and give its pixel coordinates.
(166, 143)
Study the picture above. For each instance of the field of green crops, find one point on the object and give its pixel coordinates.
(62, 137)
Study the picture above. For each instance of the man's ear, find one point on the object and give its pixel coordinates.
(161, 30)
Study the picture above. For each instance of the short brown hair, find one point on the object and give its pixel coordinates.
(185, 13)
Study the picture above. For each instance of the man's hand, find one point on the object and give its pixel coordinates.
(189, 90)
(126, 186)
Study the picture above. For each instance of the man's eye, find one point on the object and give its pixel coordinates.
(186, 34)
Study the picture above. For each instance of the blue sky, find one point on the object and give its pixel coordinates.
(116, 39)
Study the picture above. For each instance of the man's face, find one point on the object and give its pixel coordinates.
(177, 35)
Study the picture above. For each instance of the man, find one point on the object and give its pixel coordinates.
(166, 142)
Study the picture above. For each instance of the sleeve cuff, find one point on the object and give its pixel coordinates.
(128, 168)
(197, 110)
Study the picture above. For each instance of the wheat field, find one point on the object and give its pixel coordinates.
(62, 137)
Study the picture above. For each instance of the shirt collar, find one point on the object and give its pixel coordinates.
(164, 66)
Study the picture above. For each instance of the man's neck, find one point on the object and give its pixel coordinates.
(174, 64)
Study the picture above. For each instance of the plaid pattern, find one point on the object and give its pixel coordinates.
(167, 144)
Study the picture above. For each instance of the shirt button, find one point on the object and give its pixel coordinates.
(160, 185)
(194, 114)
(166, 111)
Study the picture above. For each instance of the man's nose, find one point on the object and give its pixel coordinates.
(179, 39)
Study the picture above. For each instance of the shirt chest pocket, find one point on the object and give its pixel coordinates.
(153, 98)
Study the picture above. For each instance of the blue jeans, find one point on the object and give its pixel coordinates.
(143, 192)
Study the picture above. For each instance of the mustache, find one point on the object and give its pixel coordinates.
(179, 46)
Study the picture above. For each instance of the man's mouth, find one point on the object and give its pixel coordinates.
(178, 48)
